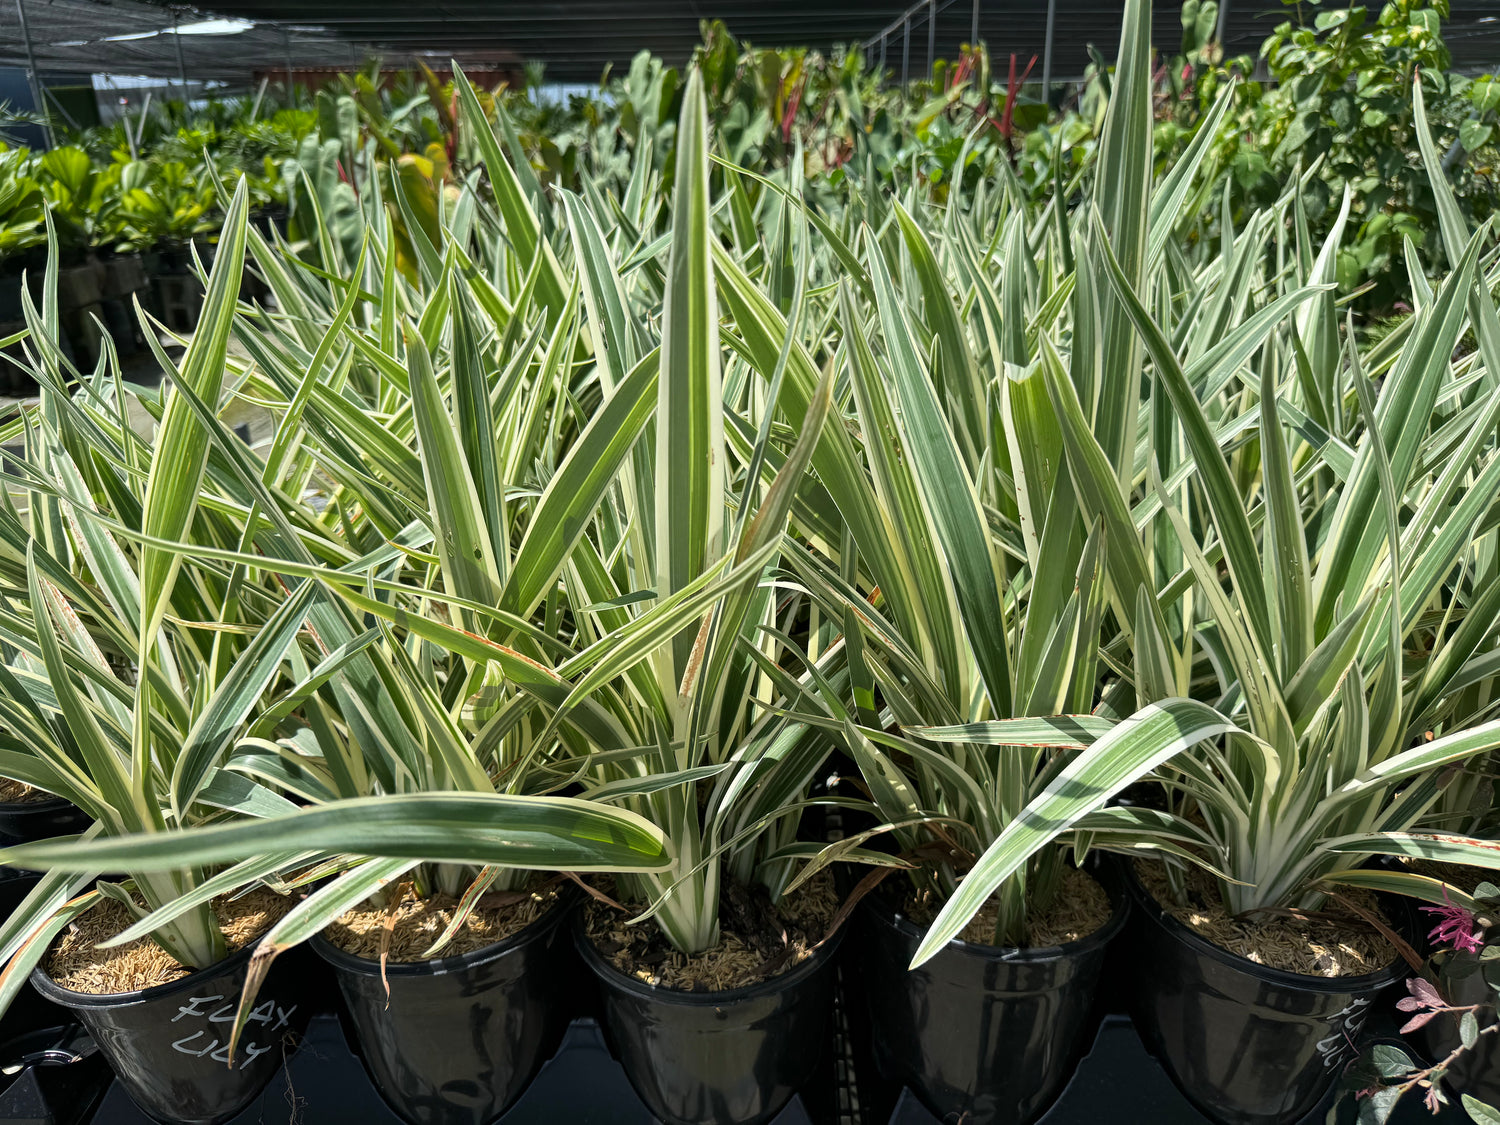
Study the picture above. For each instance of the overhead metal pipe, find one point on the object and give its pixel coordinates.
(1047, 53)
(882, 58)
(38, 97)
(931, 35)
(181, 66)
(836, 13)
(286, 44)
(905, 51)
(62, 109)
(1223, 29)
(974, 26)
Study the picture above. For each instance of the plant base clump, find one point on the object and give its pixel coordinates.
(758, 939)
(1334, 943)
(78, 964)
(406, 930)
(1079, 908)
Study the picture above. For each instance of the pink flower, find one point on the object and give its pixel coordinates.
(1456, 927)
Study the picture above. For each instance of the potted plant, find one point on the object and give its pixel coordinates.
(490, 555)
(498, 562)
(940, 663)
(721, 998)
(139, 757)
(971, 591)
(990, 1027)
(401, 793)
(1448, 1013)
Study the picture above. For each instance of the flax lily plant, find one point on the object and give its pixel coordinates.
(701, 751)
(257, 683)
(140, 757)
(583, 557)
(970, 582)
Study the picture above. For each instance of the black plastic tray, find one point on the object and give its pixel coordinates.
(1119, 1083)
(1116, 1083)
(325, 1083)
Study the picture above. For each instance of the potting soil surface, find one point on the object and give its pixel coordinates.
(19, 793)
(758, 939)
(1079, 908)
(1335, 942)
(408, 930)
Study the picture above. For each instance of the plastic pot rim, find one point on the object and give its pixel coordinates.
(50, 804)
(1020, 955)
(606, 972)
(1284, 978)
(42, 981)
(345, 961)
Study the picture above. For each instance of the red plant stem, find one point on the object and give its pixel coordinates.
(790, 116)
(1011, 93)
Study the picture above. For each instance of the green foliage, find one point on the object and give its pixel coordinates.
(1337, 110)
(1450, 1009)
(22, 205)
(1343, 93)
(147, 181)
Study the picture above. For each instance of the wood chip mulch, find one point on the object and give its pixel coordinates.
(758, 939)
(78, 964)
(1332, 944)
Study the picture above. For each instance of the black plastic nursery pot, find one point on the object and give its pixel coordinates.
(24, 821)
(980, 1033)
(169, 1045)
(458, 1039)
(1246, 1044)
(733, 1057)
